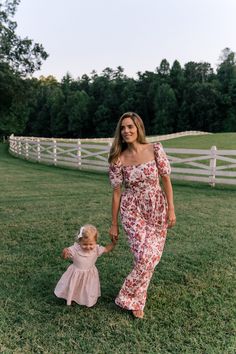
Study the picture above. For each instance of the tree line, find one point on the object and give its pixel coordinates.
(170, 99)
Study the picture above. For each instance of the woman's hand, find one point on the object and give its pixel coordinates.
(114, 232)
(171, 218)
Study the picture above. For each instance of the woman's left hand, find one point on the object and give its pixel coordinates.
(171, 218)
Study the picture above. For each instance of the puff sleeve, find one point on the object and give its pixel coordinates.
(100, 250)
(162, 162)
(73, 249)
(115, 174)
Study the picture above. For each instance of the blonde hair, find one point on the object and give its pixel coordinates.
(118, 145)
(86, 232)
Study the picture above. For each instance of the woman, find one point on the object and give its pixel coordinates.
(145, 210)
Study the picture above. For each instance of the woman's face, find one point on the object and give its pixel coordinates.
(129, 131)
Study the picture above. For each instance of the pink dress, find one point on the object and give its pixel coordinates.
(80, 282)
(143, 210)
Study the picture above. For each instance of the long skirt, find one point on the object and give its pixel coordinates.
(147, 246)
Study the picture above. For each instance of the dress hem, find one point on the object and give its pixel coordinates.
(74, 300)
(125, 307)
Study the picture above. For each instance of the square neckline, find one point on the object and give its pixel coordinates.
(139, 164)
(154, 144)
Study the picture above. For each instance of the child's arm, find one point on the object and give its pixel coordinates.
(110, 247)
(66, 253)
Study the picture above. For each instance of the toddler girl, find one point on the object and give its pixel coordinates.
(80, 282)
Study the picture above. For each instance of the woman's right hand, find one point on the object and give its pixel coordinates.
(114, 232)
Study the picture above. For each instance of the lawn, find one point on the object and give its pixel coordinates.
(220, 140)
(191, 300)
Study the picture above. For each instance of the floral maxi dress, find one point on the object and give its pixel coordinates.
(143, 211)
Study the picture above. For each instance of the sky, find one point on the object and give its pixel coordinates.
(85, 35)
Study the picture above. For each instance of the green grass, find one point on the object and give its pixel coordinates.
(191, 300)
(220, 140)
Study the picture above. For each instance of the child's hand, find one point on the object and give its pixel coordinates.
(66, 253)
(114, 241)
(110, 247)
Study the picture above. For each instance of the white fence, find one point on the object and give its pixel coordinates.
(61, 152)
(206, 165)
(210, 166)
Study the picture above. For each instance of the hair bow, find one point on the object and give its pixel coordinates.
(80, 235)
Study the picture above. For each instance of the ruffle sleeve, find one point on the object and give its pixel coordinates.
(73, 249)
(163, 164)
(100, 250)
(115, 174)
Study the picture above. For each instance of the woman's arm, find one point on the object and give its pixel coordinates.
(167, 186)
(116, 196)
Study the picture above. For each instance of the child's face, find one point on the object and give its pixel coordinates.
(88, 244)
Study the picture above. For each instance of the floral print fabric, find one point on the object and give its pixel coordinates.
(143, 211)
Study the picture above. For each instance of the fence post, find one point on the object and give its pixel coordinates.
(212, 177)
(16, 147)
(54, 152)
(26, 149)
(19, 147)
(79, 153)
(38, 150)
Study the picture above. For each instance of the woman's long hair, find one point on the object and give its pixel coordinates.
(118, 145)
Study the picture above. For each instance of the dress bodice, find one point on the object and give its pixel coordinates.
(84, 260)
(141, 176)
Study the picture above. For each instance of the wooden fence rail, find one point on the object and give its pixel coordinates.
(210, 166)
